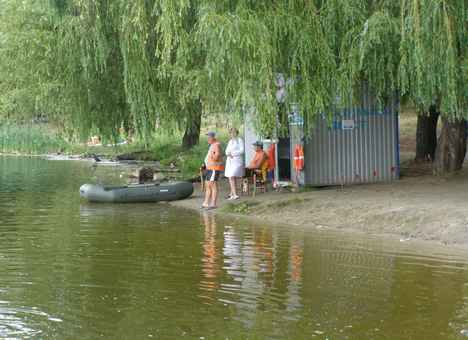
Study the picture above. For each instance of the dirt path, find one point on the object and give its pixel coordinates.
(419, 207)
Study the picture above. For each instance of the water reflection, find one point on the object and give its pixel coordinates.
(296, 258)
(328, 286)
(211, 255)
(22, 323)
(250, 269)
(146, 270)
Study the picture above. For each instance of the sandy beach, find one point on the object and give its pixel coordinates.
(417, 207)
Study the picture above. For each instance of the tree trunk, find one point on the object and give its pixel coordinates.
(192, 126)
(426, 135)
(451, 147)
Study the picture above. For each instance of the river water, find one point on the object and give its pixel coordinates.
(71, 270)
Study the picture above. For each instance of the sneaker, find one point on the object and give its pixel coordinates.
(234, 198)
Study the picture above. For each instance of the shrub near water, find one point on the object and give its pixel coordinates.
(167, 149)
(35, 139)
(29, 139)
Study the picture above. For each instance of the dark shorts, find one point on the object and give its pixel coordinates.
(249, 172)
(212, 175)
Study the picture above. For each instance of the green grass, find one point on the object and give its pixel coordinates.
(164, 148)
(240, 208)
(29, 139)
(38, 139)
(167, 149)
(286, 203)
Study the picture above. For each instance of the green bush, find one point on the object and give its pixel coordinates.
(167, 149)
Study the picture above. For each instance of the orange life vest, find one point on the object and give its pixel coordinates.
(299, 157)
(272, 157)
(213, 162)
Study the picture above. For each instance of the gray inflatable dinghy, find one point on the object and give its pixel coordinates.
(137, 193)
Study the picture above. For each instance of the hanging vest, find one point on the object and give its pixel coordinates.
(299, 157)
(272, 157)
(213, 162)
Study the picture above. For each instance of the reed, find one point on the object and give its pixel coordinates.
(29, 139)
(40, 139)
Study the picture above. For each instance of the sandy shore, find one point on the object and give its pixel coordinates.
(418, 207)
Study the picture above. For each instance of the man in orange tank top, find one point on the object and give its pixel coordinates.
(259, 159)
(214, 165)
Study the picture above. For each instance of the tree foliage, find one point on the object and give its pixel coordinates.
(166, 57)
(146, 63)
(26, 88)
(433, 55)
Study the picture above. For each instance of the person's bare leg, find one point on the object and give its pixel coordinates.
(232, 183)
(206, 202)
(214, 194)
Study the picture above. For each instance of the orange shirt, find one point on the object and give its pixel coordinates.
(257, 161)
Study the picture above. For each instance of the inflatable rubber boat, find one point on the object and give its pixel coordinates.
(137, 193)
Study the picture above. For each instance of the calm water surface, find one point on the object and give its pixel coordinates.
(70, 270)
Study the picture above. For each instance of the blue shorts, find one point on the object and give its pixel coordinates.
(271, 175)
(212, 175)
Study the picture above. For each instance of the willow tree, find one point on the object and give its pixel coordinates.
(222, 57)
(249, 42)
(326, 49)
(148, 61)
(182, 58)
(89, 67)
(145, 62)
(433, 72)
(26, 90)
(133, 64)
(426, 134)
(366, 43)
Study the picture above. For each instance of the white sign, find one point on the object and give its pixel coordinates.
(347, 124)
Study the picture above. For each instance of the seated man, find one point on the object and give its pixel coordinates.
(259, 161)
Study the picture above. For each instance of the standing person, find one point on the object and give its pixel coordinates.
(234, 161)
(214, 166)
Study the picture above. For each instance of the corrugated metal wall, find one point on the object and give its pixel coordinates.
(360, 145)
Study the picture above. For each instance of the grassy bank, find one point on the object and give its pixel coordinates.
(34, 139)
(164, 148)
(30, 139)
(168, 151)
(40, 139)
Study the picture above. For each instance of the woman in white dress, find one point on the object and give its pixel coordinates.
(234, 161)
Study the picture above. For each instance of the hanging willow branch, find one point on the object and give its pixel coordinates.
(26, 87)
(142, 62)
(369, 53)
(433, 52)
